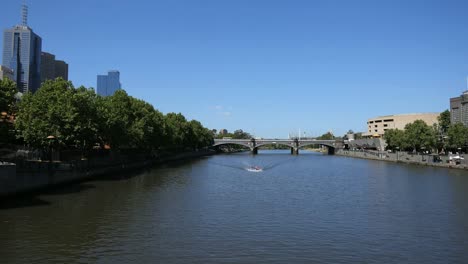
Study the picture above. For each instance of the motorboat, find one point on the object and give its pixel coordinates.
(254, 169)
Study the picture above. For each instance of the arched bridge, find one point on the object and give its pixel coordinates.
(293, 144)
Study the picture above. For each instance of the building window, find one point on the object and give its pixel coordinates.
(388, 120)
(385, 125)
(378, 121)
(375, 125)
(375, 130)
(371, 122)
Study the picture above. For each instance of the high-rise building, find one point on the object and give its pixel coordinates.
(108, 84)
(459, 109)
(22, 53)
(61, 69)
(6, 72)
(51, 68)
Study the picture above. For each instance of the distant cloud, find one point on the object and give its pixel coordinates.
(222, 110)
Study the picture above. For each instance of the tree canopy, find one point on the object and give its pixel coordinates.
(81, 119)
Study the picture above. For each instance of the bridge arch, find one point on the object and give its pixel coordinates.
(271, 143)
(330, 145)
(248, 145)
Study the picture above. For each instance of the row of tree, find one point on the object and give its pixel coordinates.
(419, 136)
(237, 134)
(78, 118)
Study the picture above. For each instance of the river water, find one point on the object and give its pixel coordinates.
(310, 208)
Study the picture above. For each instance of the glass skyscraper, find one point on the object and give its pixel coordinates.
(22, 53)
(108, 84)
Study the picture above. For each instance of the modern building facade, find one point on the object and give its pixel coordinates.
(459, 109)
(61, 69)
(108, 84)
(377, 126)
(51, 68)
(22, 54)
(6, 72)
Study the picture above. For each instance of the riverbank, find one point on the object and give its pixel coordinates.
(30, 176)
(404, 157)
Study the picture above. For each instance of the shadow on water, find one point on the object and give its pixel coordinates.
(22, 202)
(68, 189)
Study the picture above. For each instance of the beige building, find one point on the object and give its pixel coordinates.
(6, 73)
(377, 126)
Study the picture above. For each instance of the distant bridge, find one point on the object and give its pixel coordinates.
(293, 144)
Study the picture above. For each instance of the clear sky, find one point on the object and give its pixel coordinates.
(269, 67)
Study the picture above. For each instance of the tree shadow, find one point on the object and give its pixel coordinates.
(21, 202)
(67, 188)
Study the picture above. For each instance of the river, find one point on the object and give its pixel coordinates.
(310, 208)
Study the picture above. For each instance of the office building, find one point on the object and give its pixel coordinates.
(22, 54)
(377, 126)
(459, 109)
(6, 72)
(52, 68)
(108, 84)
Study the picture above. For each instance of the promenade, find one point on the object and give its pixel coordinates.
(434, 160)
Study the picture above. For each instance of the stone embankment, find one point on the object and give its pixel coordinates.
(28, 175)
(409, 158)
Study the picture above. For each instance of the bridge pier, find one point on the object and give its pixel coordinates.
(294, 151)
(255, 151)
(331, 151)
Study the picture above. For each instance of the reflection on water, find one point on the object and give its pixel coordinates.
(299, 209)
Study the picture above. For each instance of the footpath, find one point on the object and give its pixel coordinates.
(443, 161)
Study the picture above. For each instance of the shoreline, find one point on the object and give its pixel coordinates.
(401, 157)
(42, 176)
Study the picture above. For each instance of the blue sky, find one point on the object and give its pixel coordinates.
(268, 67)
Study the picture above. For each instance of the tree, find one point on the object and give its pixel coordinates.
(240, 134)
(116, 112)
(395, 139)
(419, 135)
(326, 136)
(58, 110)
(457, 136)
(7, 95)
(444, 121)
(7, 108)
(177, 130)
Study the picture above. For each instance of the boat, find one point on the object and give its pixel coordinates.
(254, 169)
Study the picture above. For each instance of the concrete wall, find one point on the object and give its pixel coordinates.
(7, 176)
(376, 143)
(33, 175)
(404, 157)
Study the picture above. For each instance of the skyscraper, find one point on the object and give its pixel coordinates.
(108, 84)
(22, 53)
(51, 68)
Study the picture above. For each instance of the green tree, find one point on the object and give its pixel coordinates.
(444, 122)
(457, 136)
(7, 95)
(7, 108)
(419, 135)
(116, 112)
(177, 130)
(326, 136)
(395, 139)
(58, 110)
